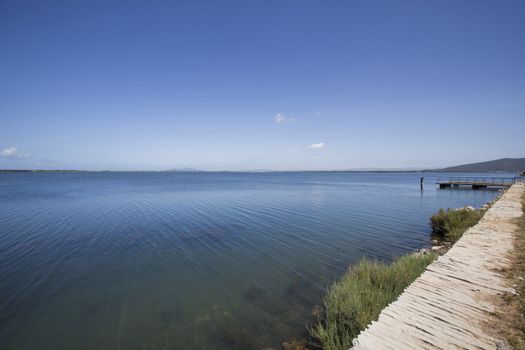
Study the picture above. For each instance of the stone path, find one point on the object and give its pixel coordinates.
(445, 307)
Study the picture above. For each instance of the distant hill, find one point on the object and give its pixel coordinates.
(184, 170)
(507, 165)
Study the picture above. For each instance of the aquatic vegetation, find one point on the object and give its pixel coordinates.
(358, 298)
(167, 316)
(294, 344)
(302, 291)
(261, 299)
(449, 225)
(255, 295)
(236, 336)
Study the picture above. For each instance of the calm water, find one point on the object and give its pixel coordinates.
(193, 261)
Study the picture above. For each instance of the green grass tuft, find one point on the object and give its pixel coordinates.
(450, 224)
(358, 298)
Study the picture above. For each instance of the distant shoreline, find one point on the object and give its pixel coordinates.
(499, 166)
(244, 171)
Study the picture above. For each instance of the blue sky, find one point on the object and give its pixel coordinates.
(241, 85)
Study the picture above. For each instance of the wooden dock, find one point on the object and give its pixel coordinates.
(478, 183)
(448, 306)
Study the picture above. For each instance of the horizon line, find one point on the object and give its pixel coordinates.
(372, 170)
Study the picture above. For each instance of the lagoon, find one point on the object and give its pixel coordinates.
(194, 260)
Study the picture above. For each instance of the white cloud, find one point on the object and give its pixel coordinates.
(12, 152)
(281, 118)
(319, 145)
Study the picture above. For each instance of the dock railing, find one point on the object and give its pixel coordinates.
(478, 182)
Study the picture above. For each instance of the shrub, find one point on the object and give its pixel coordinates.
(450, 224)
